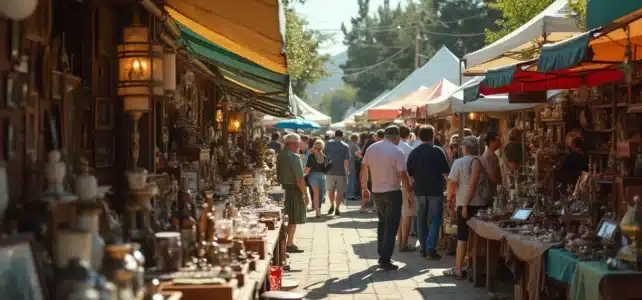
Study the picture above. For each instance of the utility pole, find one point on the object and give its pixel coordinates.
(417, 39)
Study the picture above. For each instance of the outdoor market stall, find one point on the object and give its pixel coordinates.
(587, 218)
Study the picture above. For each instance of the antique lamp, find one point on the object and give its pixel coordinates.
(140, 77)
(234, 122)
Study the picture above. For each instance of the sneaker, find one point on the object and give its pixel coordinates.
(331, 210)
(293, 249)
(433, 255)
(337, 212)
(388, 266)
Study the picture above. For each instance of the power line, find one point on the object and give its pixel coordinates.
(371, 67)
(412, 25)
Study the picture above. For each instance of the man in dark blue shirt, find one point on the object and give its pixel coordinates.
(428, 167)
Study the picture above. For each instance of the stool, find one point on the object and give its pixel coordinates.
(281, 295)
(288, 284)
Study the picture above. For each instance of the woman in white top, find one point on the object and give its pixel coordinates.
(465, 176)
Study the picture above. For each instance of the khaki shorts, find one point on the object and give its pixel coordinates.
(405, 207)
(336, 183)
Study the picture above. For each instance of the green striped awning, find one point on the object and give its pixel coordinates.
(565, 54)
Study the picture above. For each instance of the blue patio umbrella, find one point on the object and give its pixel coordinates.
(297, 124)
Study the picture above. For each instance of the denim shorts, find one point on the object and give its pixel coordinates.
(316, 179)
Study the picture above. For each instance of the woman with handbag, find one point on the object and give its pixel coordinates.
(468, 192)
(316, 167)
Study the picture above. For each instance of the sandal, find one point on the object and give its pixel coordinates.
(407, 248)
(454, 274)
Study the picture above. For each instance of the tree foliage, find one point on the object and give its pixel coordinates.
(579, 12)
(514, 13)
(381, 45)
(337, 102)
(305, 64)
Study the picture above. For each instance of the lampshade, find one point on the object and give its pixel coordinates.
(18, 10)
(140, 68)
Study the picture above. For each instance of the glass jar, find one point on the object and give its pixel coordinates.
(168, 251)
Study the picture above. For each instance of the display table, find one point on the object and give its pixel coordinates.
(487, 238)
(524, 256)
(254, 281)
(592, 280)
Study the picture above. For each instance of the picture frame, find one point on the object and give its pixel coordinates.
(104, 114)
(607, 229)
(192, 179)
(104, 150)
(21, 269)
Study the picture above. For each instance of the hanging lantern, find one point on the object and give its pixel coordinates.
(18, 10)
(234, 122)
(140, 68)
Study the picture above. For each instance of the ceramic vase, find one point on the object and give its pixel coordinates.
(69, 244)
(55, 169)
(90, 221)
(137, 178)
(86, 187)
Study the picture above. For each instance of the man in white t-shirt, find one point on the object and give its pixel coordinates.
(386, 163)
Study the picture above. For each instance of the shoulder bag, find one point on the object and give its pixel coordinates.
(483, 184)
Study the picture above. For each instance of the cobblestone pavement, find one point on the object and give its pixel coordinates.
(340, 262)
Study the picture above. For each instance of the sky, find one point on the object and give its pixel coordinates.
(329, 14)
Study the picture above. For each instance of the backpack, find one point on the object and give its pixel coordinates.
(483, 189)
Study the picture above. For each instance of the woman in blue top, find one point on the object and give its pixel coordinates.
(315, 168)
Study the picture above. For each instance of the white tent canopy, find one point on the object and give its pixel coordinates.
(454, 102)
(444, 64)
(555, 18)
(302, 110)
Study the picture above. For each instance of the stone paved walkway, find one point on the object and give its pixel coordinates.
(340, 261)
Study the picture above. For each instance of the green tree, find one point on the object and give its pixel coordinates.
(381, 47)
(305, 64)
(514, 14)
(459, 24)
(337, 102)
(579, 12)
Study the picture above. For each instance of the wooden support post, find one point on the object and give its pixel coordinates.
(479, 245)
(492, 262)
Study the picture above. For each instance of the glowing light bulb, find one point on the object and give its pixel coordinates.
(136, 65)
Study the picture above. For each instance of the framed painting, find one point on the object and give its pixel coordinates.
(104, 114)
(20, 269)
(104, 149)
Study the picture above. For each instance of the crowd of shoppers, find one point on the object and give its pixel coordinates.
(407, 178)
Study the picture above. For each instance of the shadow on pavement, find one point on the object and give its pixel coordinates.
(358, 282)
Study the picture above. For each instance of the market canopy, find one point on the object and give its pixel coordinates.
(553, 24)
(391, 110)
(593, 58)
(454, 102)
(444, 64)
(603, 12)
(303, 111)
(233, 67)
(252, 29)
